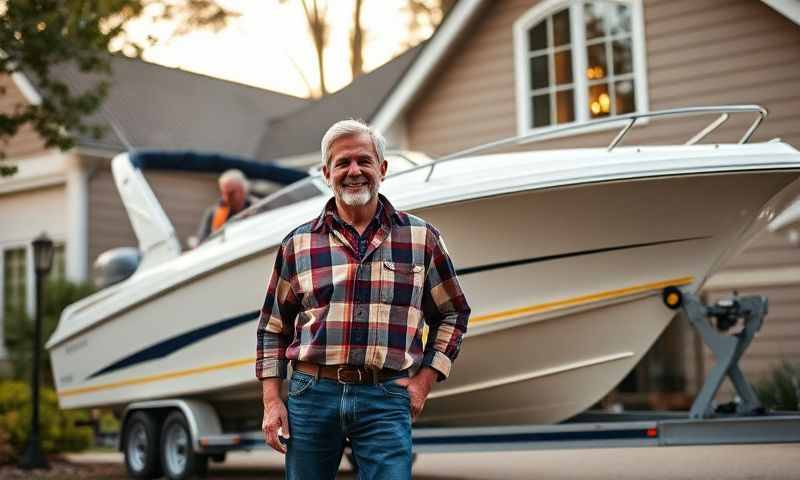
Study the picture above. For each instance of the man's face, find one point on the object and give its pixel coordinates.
(354, 172)
(232, 193)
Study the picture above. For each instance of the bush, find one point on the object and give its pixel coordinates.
(59, 429)
(20, 329)
(781, 389)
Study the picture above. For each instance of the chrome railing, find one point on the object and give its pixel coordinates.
(630, 120)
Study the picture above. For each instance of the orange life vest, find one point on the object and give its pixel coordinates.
(220, 217)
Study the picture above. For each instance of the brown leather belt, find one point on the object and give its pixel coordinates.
(349, 374)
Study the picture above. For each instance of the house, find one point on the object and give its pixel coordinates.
(496, 69)
(493, 69)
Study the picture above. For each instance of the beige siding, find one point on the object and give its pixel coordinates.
(184, 197)
(26, 142)
(698, 53)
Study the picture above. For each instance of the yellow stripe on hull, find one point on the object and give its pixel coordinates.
(492, 317)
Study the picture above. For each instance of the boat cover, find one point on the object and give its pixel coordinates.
(191, 161)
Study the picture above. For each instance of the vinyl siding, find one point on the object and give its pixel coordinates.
(26, 142)
(698, 53)
(183, 196)
(709, 52)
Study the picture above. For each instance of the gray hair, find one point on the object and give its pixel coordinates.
(236, 176)
(346, 128)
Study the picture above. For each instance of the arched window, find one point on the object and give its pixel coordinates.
(577, 61)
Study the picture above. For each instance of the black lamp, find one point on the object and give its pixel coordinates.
(43, 254)
(43, 262)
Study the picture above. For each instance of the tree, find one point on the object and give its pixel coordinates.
(357, 42)
(36, 35)
(423, 14)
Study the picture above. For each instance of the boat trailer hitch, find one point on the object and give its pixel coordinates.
(727, 348)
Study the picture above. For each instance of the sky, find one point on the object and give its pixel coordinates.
(269, 46)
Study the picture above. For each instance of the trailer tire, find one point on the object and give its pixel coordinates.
(141, 446)
(179, 461)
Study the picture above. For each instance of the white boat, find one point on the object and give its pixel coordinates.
(563, 256)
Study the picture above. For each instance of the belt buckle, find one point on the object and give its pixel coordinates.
(346, 368)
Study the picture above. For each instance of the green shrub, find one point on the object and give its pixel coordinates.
(59, 429)
(781, 389)
(19, 328)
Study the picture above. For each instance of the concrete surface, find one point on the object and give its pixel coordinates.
(732, 462)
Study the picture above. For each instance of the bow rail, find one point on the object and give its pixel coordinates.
(724, 112)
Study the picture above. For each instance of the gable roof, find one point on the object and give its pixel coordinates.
(154, 107)
(301, 131)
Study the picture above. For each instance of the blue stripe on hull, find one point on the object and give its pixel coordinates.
(171, 345)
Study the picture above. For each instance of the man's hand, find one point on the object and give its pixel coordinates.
(275, 416)
(419, 386)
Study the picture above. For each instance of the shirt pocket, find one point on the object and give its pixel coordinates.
(401, 283)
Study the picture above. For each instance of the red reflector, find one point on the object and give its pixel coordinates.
(652, 432)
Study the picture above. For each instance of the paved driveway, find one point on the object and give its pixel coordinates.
(732, 462)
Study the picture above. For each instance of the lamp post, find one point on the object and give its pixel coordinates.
(43, 261)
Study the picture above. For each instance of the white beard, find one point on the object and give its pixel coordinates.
(362, 197)
(359, 198)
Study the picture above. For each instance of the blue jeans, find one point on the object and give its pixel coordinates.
(324, 413)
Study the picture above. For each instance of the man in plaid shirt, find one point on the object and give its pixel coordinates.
(346, 304)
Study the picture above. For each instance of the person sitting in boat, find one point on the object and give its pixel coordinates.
(234, 190)
(346, 303)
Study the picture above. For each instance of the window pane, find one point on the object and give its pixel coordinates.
(537, 36)
(541, 110)
(619, 19)
(599, 101)
(623, 56)
(563, 66)
(58, 270)
(596, 66)
(561, 28)
(565, 106)
(626, 100)
(14, 279)
(606, 18)
(594, 21)
(540, 77)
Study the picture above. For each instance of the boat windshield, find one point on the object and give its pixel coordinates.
(314, 186)
(297, 192)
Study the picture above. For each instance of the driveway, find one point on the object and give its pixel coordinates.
(730, 462)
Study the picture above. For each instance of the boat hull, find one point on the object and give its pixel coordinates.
(564, 284)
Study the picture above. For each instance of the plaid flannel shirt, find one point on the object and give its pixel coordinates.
(329, 305)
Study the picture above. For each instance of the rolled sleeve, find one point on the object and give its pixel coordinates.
(445, 308)
(276, 323)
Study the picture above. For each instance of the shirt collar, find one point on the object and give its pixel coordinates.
(385, 214)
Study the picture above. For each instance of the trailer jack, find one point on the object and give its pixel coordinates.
(713, 322)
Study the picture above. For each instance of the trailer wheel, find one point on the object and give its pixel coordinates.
(141, 446)
(178, 458)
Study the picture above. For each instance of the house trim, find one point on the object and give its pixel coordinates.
(423, 66)
(76, 249)
(43, 170)
(521, 65)
(788, 8)
(26, 87)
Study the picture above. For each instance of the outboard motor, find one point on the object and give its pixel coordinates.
(115, 265)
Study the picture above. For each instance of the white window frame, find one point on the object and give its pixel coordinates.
(578, 41)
